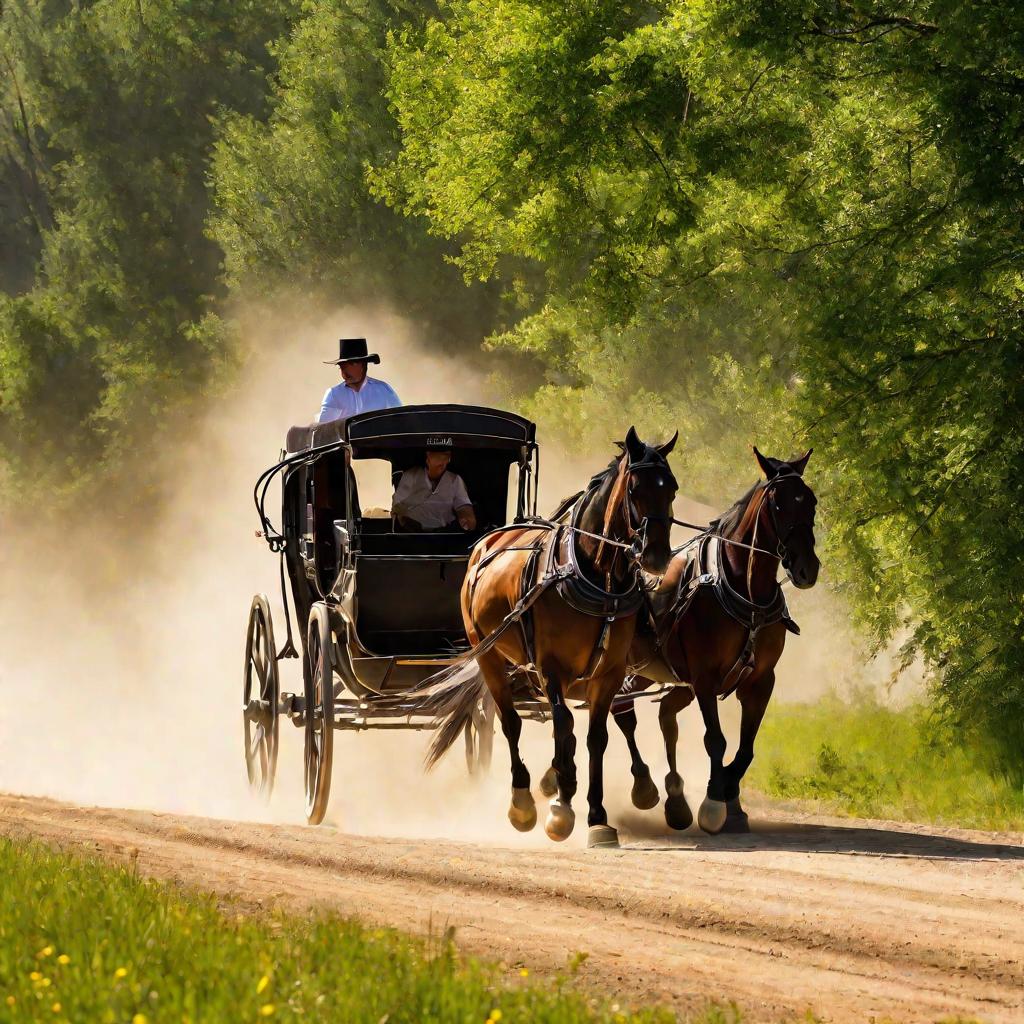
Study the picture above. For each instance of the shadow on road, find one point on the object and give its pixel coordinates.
(640, 833)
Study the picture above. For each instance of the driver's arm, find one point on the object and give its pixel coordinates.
(466, 517)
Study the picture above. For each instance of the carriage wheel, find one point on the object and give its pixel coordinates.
(319, 746)
(260, 699)
(480, 736)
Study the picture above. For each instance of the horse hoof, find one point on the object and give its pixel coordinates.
(712, 814)
(560, 823)
(645, 793)
(677, 812)
(549, 783)
(736, 820)
(523, 811)
(602, 837)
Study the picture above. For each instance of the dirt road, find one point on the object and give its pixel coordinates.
(852, 920)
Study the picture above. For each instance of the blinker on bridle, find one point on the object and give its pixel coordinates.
(768, 496)
(638, 533)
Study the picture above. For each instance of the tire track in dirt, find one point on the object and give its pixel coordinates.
(851, 920)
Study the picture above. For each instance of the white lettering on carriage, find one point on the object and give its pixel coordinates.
(445, 441)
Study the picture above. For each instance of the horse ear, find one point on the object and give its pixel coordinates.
(768, 466)
(666, 448)
(634, 446)
(800, 464)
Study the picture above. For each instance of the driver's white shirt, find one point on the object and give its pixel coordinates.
(432, 506)
(342, 401)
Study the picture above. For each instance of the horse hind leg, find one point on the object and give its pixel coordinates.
(753, 697)
(522, 812)
(678, 815)
(713, 811)
(561, 817)
(644, 793)
(601, 691)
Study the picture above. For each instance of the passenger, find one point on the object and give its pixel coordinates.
(357, 392)
(431, 497)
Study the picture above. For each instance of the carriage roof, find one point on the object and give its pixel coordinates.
(378, 434)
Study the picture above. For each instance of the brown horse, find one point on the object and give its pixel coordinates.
(558, 603)
(720, 626)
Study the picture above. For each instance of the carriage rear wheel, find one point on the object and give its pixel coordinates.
(319, 741)
(260, 698)
(480, 736)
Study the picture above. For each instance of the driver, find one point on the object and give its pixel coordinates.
(431, 497)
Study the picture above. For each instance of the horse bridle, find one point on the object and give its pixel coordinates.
(781, 540)
(636, 525)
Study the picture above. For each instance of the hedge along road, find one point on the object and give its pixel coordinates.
(849, 919)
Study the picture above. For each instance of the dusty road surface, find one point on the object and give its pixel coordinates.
(852, 920)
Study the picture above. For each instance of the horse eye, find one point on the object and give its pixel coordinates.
(799, 498)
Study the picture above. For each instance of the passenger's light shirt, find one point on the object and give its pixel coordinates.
(431, 507)
(341, 401)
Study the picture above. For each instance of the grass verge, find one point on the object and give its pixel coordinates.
(81, 941)
(863, 759)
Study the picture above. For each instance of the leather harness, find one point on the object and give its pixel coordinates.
(706, 570)
(563, 572)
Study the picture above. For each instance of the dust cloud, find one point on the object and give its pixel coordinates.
(121, 665)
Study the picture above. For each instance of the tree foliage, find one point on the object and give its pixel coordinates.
(825, 200)
(107, 130)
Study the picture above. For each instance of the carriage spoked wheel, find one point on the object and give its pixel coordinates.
(319, 742)
(479, 736)
(260, 699)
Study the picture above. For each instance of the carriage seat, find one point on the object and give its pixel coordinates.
(314, 435)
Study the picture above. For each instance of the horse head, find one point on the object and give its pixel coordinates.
(790, 504)
(647, 495)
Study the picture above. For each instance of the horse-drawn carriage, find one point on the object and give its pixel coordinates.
(378, 608)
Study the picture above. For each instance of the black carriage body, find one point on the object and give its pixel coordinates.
(394, 597)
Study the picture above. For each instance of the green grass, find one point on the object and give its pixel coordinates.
(863, 759)
(81, 941)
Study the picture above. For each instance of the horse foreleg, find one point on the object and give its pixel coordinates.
(645, 793)
(712, 813)
(677, 811)
(753, 696)
(523, 811)
(561, 817)
(599, 696)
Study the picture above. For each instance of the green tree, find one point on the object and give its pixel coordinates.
(814, 202)
(293, 209)
(108, 129)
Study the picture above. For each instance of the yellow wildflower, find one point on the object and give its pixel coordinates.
(495, 1015)
(45, 952)
(36, 976)
(121, 972)
(63, 959)
(45, 982)
(261, 985)
(55, 1007)
(524, 972)
(266, 1009)
(10, 1000)
(139, 1018)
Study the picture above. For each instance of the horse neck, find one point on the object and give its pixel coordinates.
(751, 572)
(603, 514)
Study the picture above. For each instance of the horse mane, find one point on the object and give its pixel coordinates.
(731, 517)
(600, 477)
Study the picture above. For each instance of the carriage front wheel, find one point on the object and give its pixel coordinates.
(318, 673)
(260, 698)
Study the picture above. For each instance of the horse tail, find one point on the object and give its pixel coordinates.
(454, 696)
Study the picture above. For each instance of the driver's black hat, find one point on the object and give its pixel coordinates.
(353, 350)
